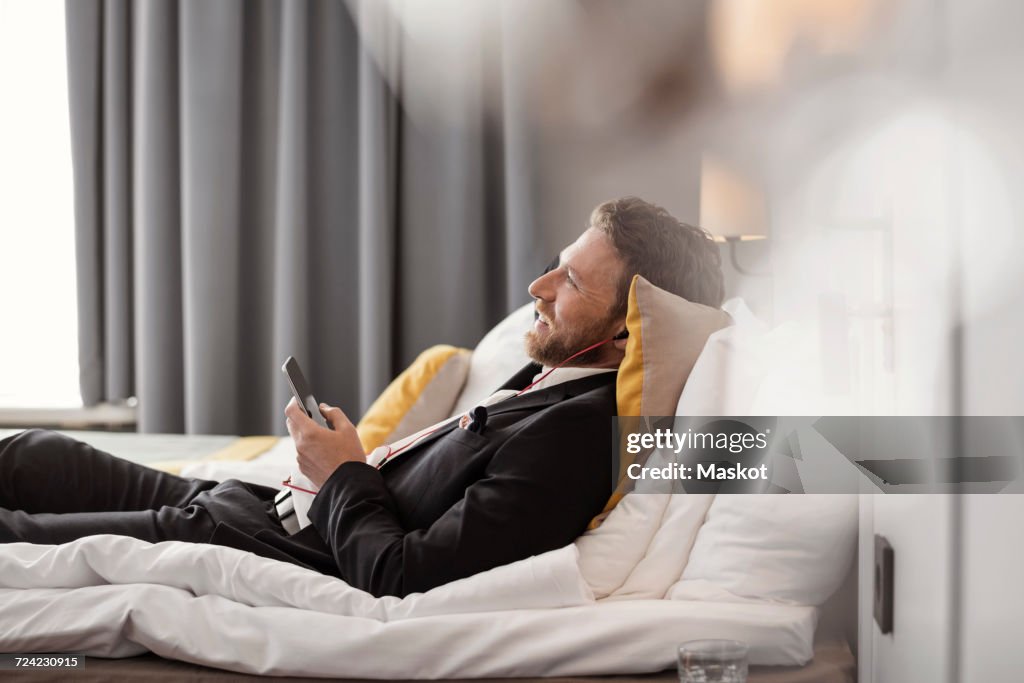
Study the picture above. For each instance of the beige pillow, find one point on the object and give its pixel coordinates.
(666, 335)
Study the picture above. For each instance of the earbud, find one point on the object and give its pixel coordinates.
(621, 335)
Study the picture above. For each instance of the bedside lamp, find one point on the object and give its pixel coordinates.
(731, 208)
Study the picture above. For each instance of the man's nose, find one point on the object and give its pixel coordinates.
(541, 287)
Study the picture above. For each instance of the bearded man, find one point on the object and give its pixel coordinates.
(522, 474)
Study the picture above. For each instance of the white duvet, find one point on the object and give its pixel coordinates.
(115, 596)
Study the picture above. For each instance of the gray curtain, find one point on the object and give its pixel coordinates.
(249, 185)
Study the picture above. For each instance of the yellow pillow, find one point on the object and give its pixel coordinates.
(666, 335)
(422, 395)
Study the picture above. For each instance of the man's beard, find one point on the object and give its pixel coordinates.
(555, 347)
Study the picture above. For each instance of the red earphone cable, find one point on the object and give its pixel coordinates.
(287, 483)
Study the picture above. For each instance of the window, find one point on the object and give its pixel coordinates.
(38, 313)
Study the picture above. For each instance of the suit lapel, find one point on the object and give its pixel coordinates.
(531, 400)
(522, 379)
(430, 438)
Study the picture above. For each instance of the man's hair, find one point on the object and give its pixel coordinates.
(675, 256)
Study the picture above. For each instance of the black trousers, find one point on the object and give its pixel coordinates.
(54, 489)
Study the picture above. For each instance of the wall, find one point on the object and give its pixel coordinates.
(958, 561)
(986, 58)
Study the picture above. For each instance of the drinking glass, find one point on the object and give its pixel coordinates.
(713, 661)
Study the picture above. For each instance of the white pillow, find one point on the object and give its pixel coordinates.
(786, 548)
(669, 550)
(498, 356)
(609, 553)
(749, 369)
(728, 372)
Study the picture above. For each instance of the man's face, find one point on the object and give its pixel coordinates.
(574, 303)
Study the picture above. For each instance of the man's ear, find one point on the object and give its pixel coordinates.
(620, 340)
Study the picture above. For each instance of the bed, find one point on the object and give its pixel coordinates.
(660, 570)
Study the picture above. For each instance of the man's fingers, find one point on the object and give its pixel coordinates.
(297, 422)
(293, 409)
(298, 416)
(335, 416)
(294, 432)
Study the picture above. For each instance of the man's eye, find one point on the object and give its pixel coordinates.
(571, 281)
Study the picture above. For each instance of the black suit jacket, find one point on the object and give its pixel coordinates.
(457, 502)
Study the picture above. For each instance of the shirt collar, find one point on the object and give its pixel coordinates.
(560, 375)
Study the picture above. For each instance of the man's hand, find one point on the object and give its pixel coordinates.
(321, 451)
